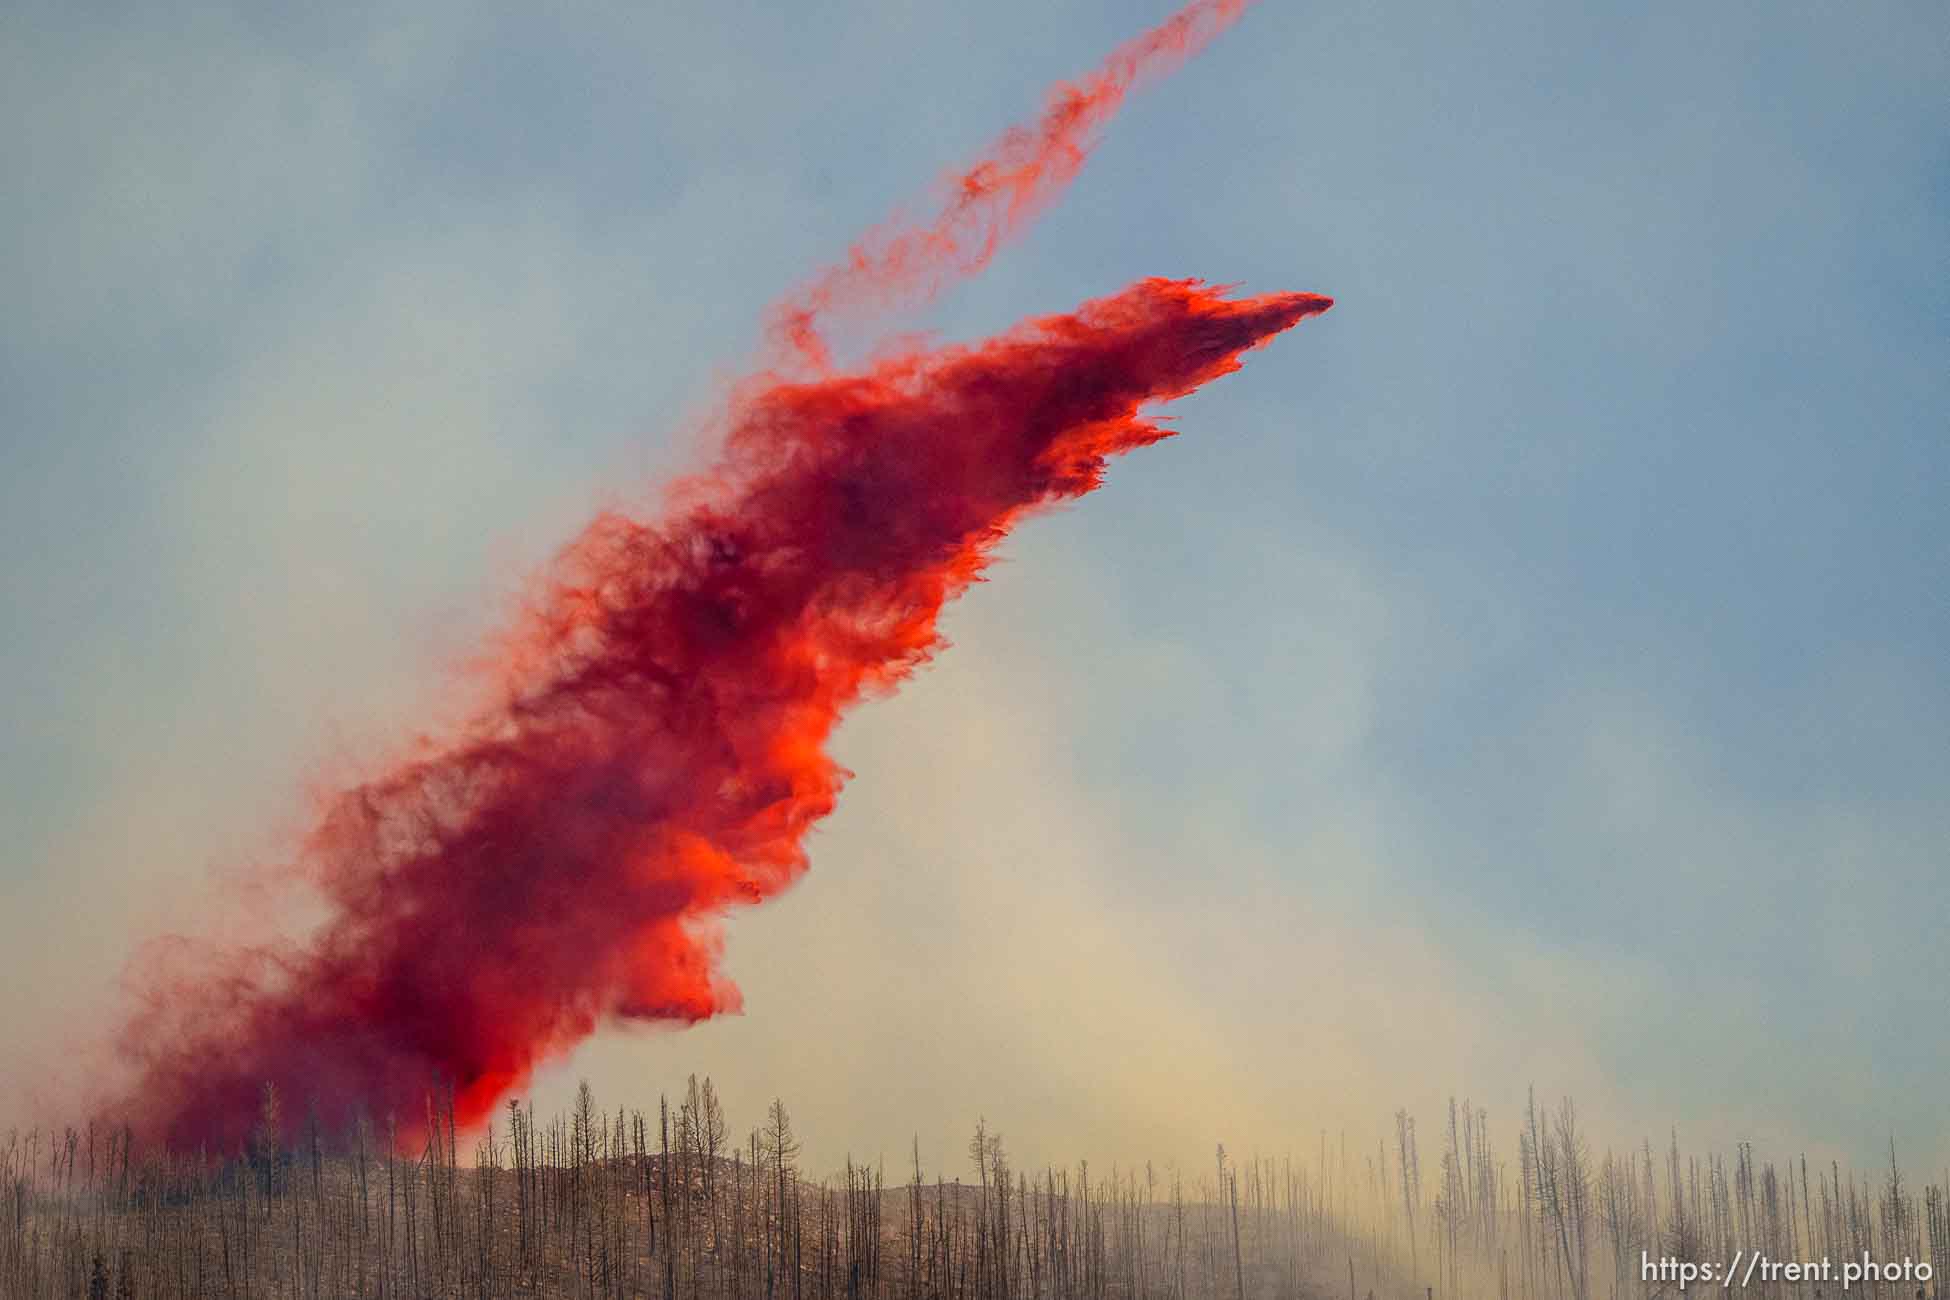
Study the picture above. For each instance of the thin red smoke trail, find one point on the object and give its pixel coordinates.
(992, 199)
(657, 752)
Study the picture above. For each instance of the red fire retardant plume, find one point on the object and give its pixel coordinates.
(657, 750)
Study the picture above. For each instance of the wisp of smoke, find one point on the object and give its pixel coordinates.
(657, 749)
(996, 196)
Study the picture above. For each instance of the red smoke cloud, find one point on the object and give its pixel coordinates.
(657, 751)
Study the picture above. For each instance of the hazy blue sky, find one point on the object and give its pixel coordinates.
(1531, 672)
